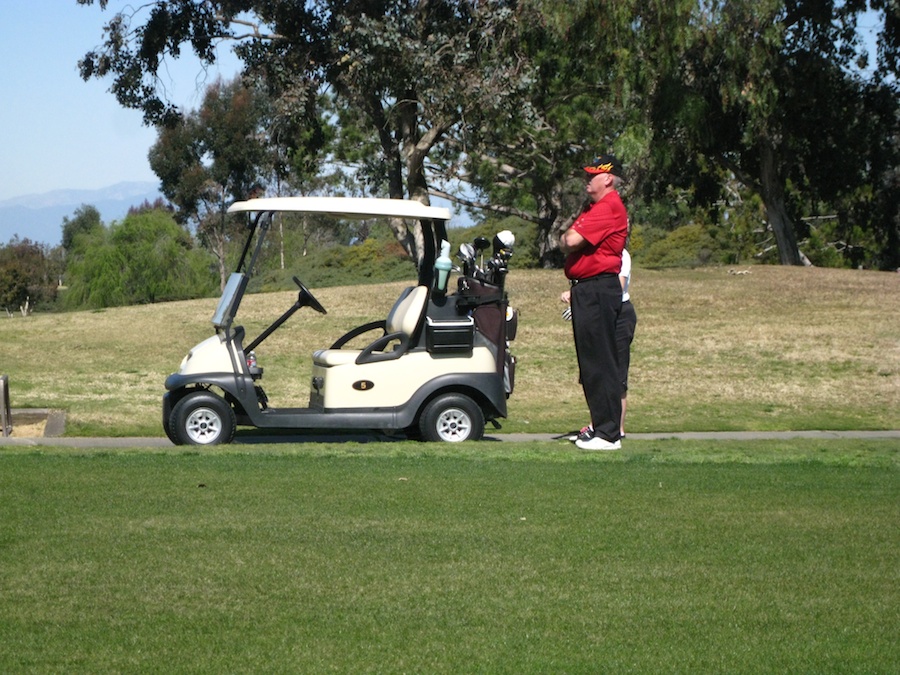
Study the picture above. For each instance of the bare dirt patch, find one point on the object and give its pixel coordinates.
(29, 423)
(35, 430)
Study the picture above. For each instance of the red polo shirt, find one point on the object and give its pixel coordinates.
(605, 227)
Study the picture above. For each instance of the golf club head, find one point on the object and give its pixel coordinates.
(467, 257)
(504, 240)
(466, 252)
(481, 243)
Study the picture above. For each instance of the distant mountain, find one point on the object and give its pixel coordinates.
(39, 217)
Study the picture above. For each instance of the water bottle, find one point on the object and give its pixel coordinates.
(443, 265)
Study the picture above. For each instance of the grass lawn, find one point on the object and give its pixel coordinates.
(670, 556)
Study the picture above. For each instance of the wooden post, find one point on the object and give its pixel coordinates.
(5, 411)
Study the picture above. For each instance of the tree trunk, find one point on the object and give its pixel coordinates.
(410, 155)
(219, 252)
(772, 188)
(553, 220)
(549, 230)
(414, 150)
(394, 163)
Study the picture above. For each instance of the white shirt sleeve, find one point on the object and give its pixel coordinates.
(625, 275)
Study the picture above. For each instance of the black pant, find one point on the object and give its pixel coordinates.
(595, 310)
(624, 336)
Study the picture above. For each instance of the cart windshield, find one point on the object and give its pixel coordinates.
(230, 300)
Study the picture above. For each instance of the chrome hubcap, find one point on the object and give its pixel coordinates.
(454, 425)
(203, 426)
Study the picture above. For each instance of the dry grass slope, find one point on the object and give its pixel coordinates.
(777, 348)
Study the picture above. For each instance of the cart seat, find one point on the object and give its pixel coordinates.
(400, 327)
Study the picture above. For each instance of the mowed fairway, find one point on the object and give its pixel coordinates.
(397, 557)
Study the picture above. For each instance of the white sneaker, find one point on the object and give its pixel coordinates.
(585, 434)
(597, 443)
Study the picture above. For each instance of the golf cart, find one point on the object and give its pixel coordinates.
(437, 368)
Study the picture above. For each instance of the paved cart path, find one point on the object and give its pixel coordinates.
(251, 438)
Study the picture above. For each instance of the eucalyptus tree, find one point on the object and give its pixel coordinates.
(575, 97)
(407, 71)
(209, 157)
(694, 95)
(510, 96)
(772, 93)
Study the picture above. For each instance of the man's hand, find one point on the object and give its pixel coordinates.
(566, 297)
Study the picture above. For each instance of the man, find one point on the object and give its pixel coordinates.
(593, 246)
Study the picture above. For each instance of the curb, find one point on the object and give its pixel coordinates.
(161, 442)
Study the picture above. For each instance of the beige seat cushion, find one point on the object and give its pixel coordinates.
(406, 312)
(403, 318)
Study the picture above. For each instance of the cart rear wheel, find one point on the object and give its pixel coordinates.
(452, 418)
(202, 419)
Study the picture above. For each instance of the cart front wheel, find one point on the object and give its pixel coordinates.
(167, 419)
(202, 419)
(452, 418)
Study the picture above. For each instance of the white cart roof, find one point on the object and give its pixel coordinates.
(349, 207)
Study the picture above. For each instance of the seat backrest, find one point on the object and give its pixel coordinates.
(406, 313)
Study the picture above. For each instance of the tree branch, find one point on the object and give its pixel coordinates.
(503, 210)
(255, 26)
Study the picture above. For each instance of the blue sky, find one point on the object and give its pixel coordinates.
(57, 131)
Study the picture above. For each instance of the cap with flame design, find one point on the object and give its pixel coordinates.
(605, 164)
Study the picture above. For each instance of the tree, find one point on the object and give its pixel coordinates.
(766, 91)
(210, 157)
(84, 222)
(28, 274)
(160, 261)
(523, 154)
(693, 95)
(406, 71)
(513, 95)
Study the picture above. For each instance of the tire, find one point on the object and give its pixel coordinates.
(202, 419)
(167, 427)
(452, 418)
(167, 421)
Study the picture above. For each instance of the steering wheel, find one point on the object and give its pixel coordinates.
(309, 298)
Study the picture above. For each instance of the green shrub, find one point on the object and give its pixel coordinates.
(146, 258)
(688, 246)
(381, 258)
(374, 260)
